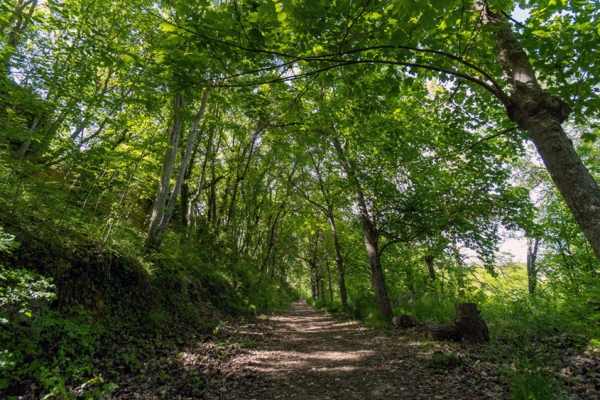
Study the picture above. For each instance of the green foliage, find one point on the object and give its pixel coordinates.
(23, 294)
(332, 307)
(531, 381)
(435, 308)
(85, 112)
(447, 360)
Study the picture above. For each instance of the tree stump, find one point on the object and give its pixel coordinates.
(470, 323)
(444, 332)
(404, 321)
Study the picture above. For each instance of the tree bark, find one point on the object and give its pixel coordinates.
(339, 260)
(194, 200)
(541, 114)
(444, 332)
(152, 241)
(430, 269)
(329, 279)
(182, 168)
(371, 237)
(404, 321)
(472, 326)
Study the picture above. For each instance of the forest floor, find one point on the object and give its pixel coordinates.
(304, 353)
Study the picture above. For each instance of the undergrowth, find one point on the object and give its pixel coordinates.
(68, 292)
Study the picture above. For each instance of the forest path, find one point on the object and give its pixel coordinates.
(304, 353)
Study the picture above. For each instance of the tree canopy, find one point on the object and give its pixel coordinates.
(288, 142)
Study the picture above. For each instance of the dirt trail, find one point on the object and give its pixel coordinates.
(306, 354)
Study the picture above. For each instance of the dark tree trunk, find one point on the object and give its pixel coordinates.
(430, 270)
(377, 277)
(444, 332)
(314, 286)
(541, 115)
(371, 236)
(404, 321)
(471, 324)
(339, 261)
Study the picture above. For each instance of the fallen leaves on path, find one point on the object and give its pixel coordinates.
(304, 353)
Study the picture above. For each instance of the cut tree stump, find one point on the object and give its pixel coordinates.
(444, 332)
(471, 324)
(468, 325)
(404, 321)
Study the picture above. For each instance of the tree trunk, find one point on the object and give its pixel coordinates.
(430, 270)
(371, 236)
(152, 241)
(339, 260)
(404, 321)
(329, 279)
(472, 326)
(194, 200)
(541, 114)
(20, 21)
(182, 168)
(444, 332)
(532, 249)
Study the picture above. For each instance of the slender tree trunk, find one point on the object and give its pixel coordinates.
(27, 143)
(202, 181)
(532, 249)
(182, 168)
(152, 241)
(20, 21)
(371, 237)
(329, 279)
(460, 279)
(339, 260)
(185, 189)
(541, 114)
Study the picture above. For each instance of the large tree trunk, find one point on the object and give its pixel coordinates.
(371, 236)
(467, 325)
(541, 115)
(444, 332)
(471, 324)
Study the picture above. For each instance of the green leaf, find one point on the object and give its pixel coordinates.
(167, 27)
(541, 33)
(589, 137)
